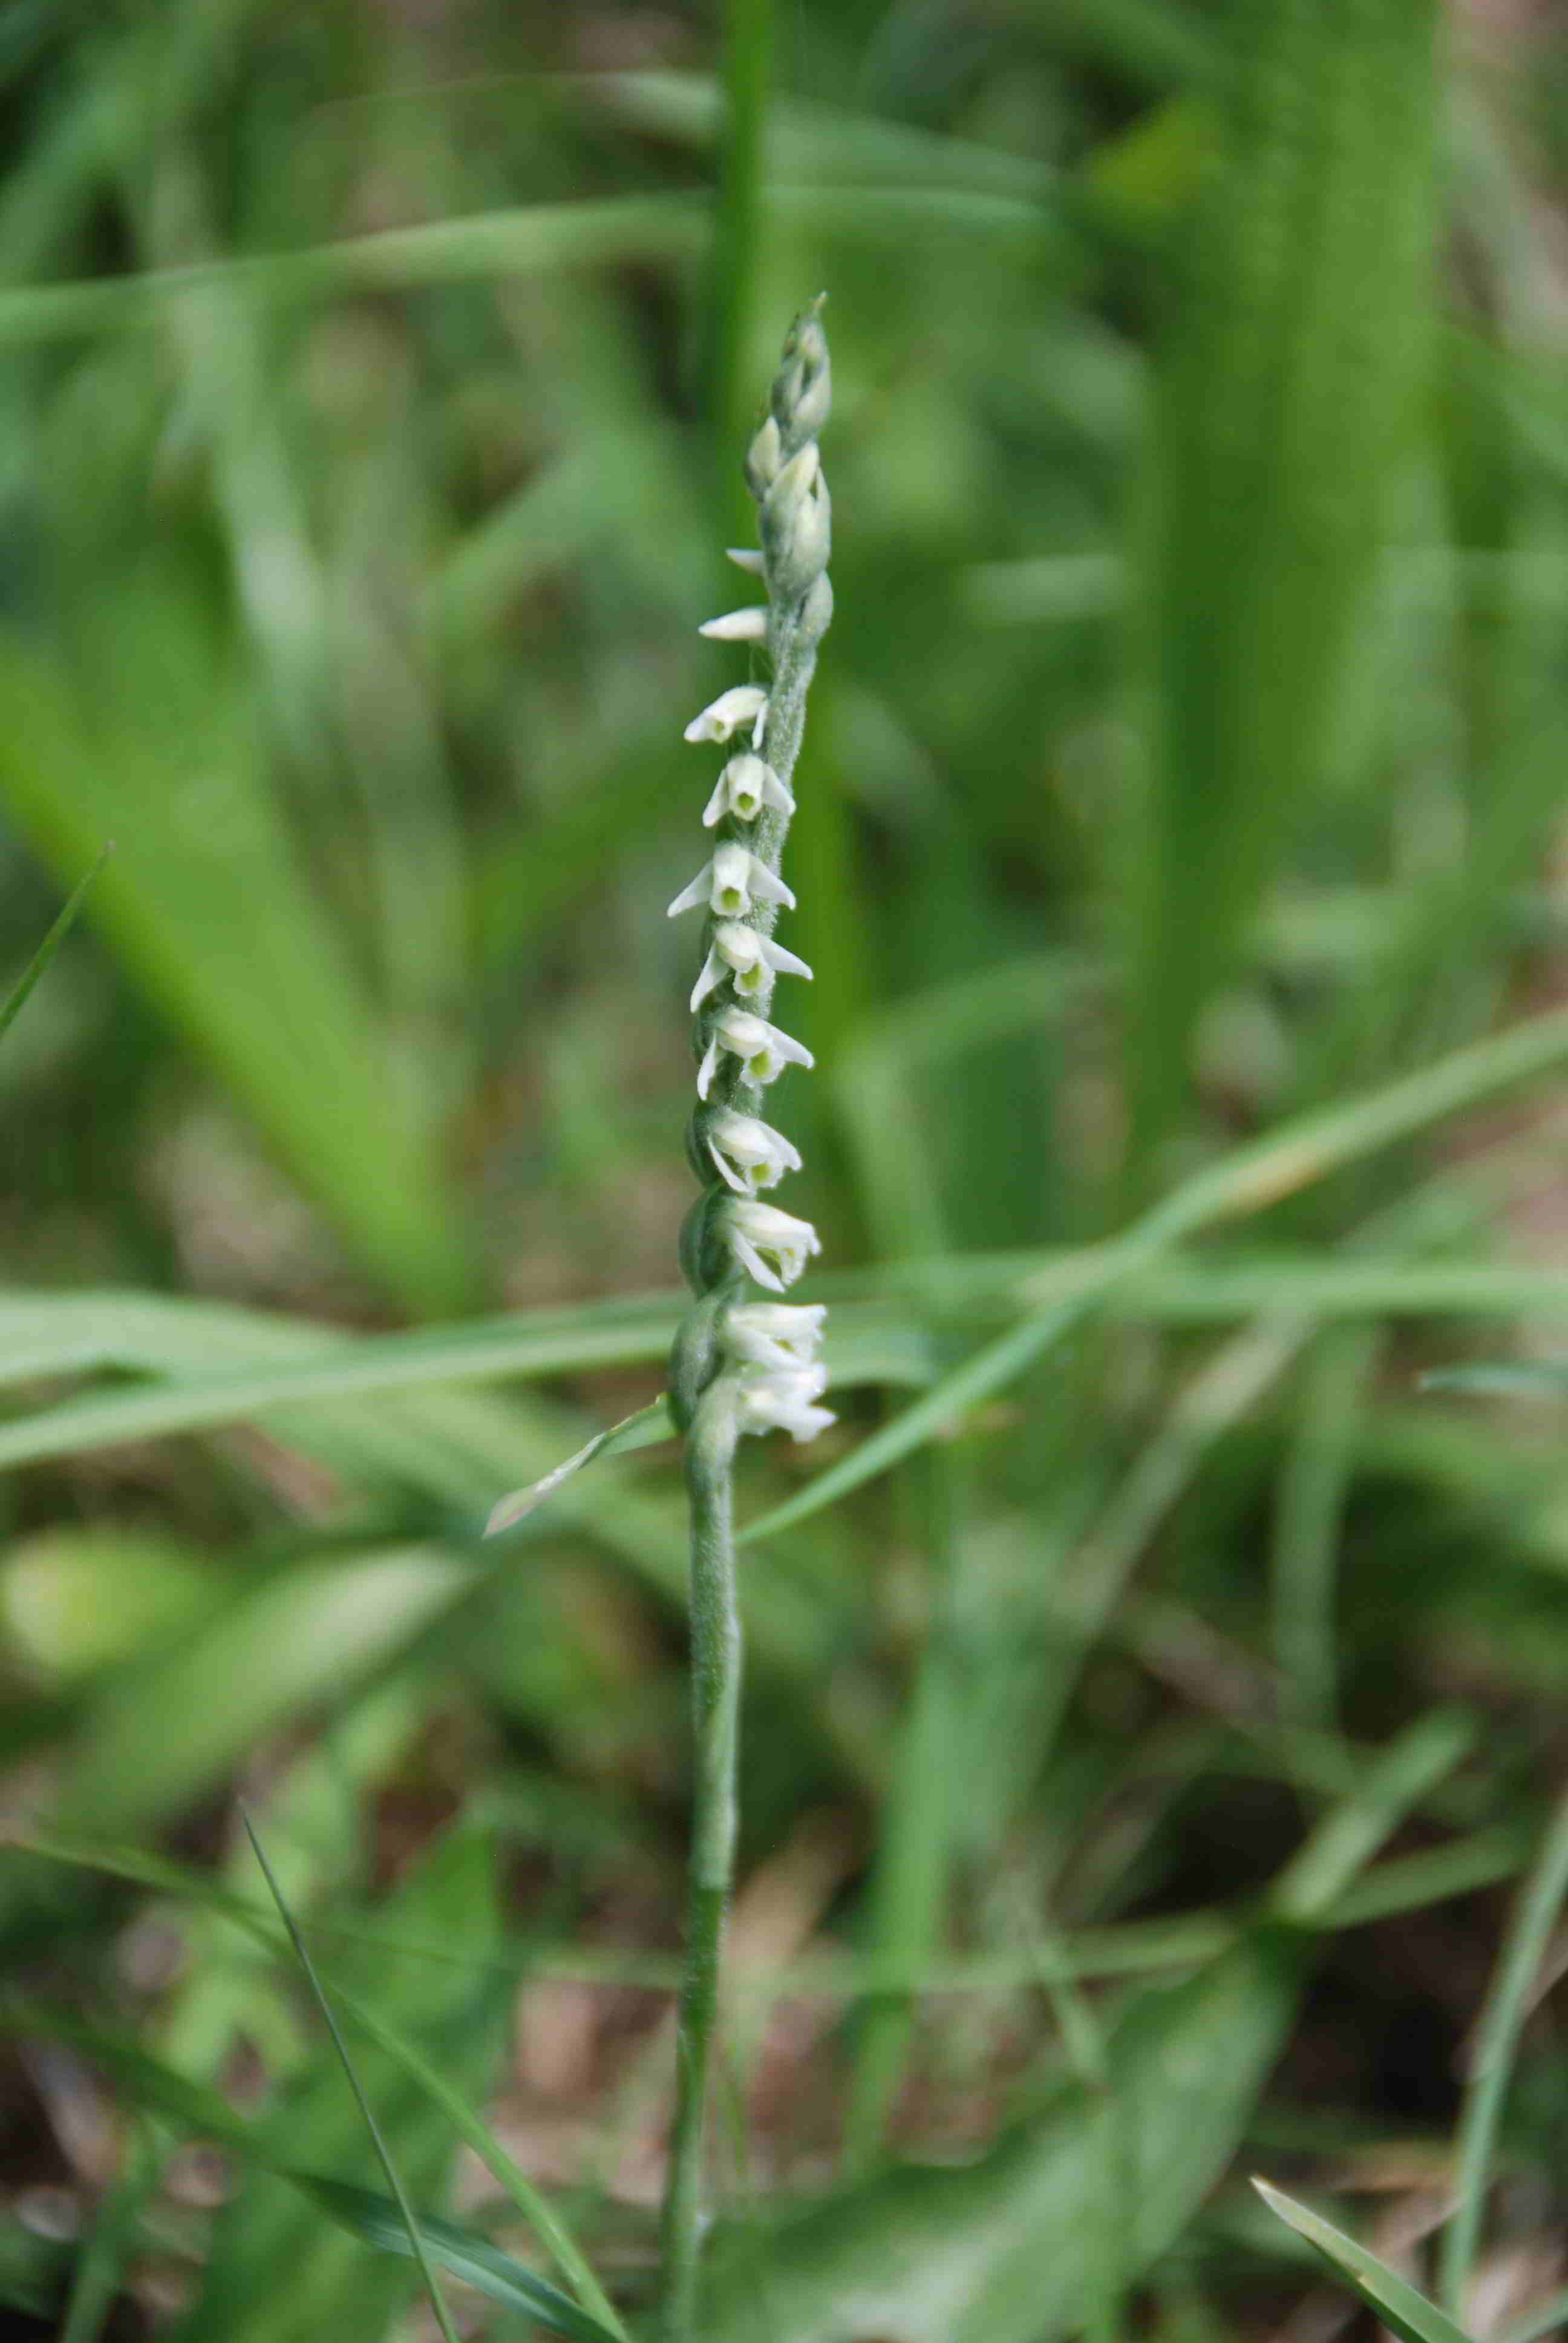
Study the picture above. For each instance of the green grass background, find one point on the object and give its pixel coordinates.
(1155, 1713)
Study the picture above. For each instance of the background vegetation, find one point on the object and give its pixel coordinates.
(1156, 1697)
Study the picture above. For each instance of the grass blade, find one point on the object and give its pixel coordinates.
(1393, 2299)
(14, 1002)
(1497, 2045)
(394, 2180)
(1301, 1153)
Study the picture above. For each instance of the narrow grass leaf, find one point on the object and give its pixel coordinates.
(1520, 1379)
(468, 2256)
(1497, 2045)
(376, 2219)
(1393, 2298)
(641, 1429)
(11, 1007)
(410, 2227)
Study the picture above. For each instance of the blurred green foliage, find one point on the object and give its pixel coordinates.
(1143, 1742)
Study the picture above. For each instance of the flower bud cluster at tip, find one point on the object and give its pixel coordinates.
(765, 1351)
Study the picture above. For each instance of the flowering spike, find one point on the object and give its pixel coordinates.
(758, 1357)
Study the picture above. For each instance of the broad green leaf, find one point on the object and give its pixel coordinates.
(1301, 295)
(169, 1727)
(1006, 2249)
(75, 1601)
(1393, 2299)
(207, 907)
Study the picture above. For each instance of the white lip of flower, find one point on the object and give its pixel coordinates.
(749, 1154)
(743, 703)
(772, 1246)
(748, 958)
(764, 1052)
(729, 884)
(746, 785)
(773, 1333)
(747, 557)
(785, 1400)
(749, 625)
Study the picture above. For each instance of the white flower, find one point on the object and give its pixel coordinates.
(737, 627)
(772, 1334)
(748, 958)
(745, 786)
(743, 703)
(772, 1246)
(729, 884)
(785, 1400)
(747, 557)
(749, 1154)
(764, 1052)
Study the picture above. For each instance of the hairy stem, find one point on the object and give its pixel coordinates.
(716, 1700)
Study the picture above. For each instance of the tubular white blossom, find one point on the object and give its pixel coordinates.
(747, 784)
(748, 959)
(785, 1400)
(747, 558)
(729, 883)
(743, 703)
(772, 1334)
(772, 1246)
(749, 625)
(749, 1154)
(764, 1052)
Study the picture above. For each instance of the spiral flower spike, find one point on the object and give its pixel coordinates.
(741, 1364)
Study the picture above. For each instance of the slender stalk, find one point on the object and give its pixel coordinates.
(716, 1665)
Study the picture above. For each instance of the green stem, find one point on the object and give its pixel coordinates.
(716, 1702)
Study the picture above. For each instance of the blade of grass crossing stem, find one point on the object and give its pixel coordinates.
(1396, 2303)
(11, 1007)
(1305, 1149)
(394, 2180)
(1496, 2045)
